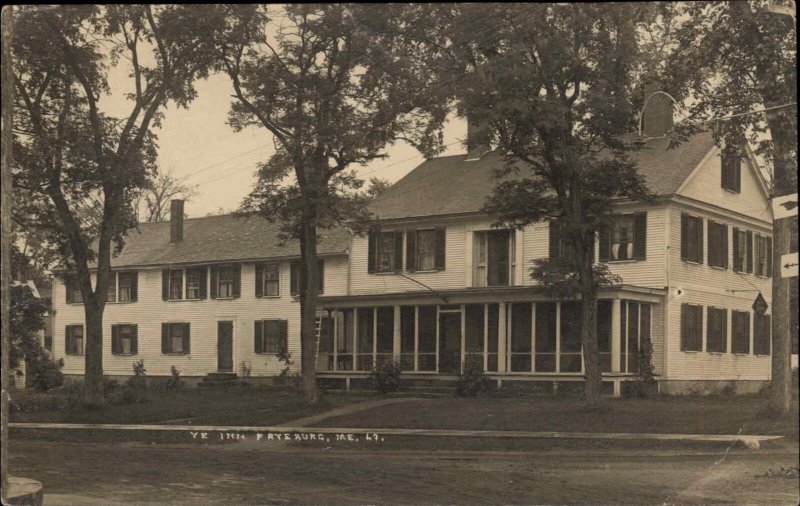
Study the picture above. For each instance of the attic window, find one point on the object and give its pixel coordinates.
(731, 171)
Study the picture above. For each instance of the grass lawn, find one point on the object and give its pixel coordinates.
(687, 415)
(223, 406)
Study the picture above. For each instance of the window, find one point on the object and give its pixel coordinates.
(691, 238)
(365, 338)
(175, 284)
(740, 341)
(762, 255)
(74, 339)
(271, 336)
(425, 250)
(295, 277)
(196, 283)
(717, 330)
(762, 332)
(74, 295)
(384, 334)
(545, 337)
(625, 238)
(268, 280)
(731, 170)
(226, 281)
(111, 294)
(124, 339)
(717, 244)
(385, 252)
(48, 342)
(570, 346)
(175, 338)
(691, 327)
(742, 250)
(492, 258)
(128, 288)
(520, 360)
(604, 308)
(634, 330)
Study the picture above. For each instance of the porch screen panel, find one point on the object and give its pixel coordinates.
(493, 317)
(325, 344)
(632, 351)
(364, 346)
(427, 338)
(473, 326)
(521, 337)
(645, 311)
(570, 358)
(344, 340)
(408, 349)
(604, 334)
(385, 334)
(545, 337)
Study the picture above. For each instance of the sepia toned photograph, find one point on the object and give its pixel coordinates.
(401, 253)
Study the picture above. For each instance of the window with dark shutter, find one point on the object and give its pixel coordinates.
(717, 330)
(214, 270)
(270, 336)
(441, 247)
(625, 238)
(175, 338)
(165, 284)
(294, 274)
(372, 252)
(124, 339)
(691, 238)
(127, 286)
(691, 327)
(731, 171)
(640, 236)
(411, 250)
(749, 240)
(398, 251)
(717, 244)
(258, 336)
(740, 336)
(73, 339)
(761, 334)
(73, 291)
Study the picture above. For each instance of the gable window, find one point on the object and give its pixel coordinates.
(74, 339)
(425, 250)
(294, 287)
(691, 327)
(740, 339)
(717, 331)
(268, 280)
(762, 331)
(270, 336)
(128, 286)
(691, 238)
(175, 338)
(492, 258)
(73, 291)
(762, 255)
(717, 244)
(731, 171)
(226, 281)
(124, 339)
(196, 283)
(625, 238)
(742, 250)
(385, 252)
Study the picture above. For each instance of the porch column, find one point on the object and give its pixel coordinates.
(616, 331)
(501, 338)
(396, 341)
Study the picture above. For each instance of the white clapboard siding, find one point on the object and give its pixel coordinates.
(150, 311)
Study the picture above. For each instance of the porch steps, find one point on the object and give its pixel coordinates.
(219, 379)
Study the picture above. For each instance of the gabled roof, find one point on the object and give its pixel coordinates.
(450, 185)
(218, 239)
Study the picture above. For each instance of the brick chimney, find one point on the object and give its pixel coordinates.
(176, 221)
(657, 112)
(477, 138)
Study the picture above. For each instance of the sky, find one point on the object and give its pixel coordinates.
(198, 146)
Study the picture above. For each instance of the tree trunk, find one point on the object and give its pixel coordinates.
(93, 355)
(309, 292)
(592, 374)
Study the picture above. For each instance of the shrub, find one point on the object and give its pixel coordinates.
(45, 373)
(386, 377)
(128, 395)
(645, 384)
(285, 357)
(110, 385)
(472, 379)
(139, 373)
(174, 382)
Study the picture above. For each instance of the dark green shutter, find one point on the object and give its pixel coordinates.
(283, 334)
(67, 340)
(115, 344)
(135, 339)
(605, 243)
(203, 271)
(555, 241)
(699, 240)
(749, 252)
(258, 332)
(259, 280)
(214, 269)
(684, 236)
(411, 250)
(768, 261)
(237, 281)
(372, 253)
(165, 284)
(441, 247)
(165, 347)
(398, 251)
(294, 278)
(737, 260)
(321, 275)
(725, 246)
(186, 340)
(712, 243)
(134, 286)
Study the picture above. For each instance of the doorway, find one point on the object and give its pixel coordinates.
(450, 342)
(225, 346)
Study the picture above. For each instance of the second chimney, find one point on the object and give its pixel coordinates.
(176, 221)
(477, 138)
(657, 112)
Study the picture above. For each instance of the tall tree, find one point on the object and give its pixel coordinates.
(79, 168)
(334, 86)
(731, 58)
(553, 86)
(154, 201)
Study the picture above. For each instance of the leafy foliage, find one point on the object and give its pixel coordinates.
(174, 382)
(153, 204)
(138, 380)
(386, 377)
(45, 374)
(26, 319)
(473, 380)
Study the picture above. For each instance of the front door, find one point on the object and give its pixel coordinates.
(225, 346)
(450, 342)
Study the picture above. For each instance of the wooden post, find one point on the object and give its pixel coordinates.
(396, 342)
(501, 338)
(616, 345)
